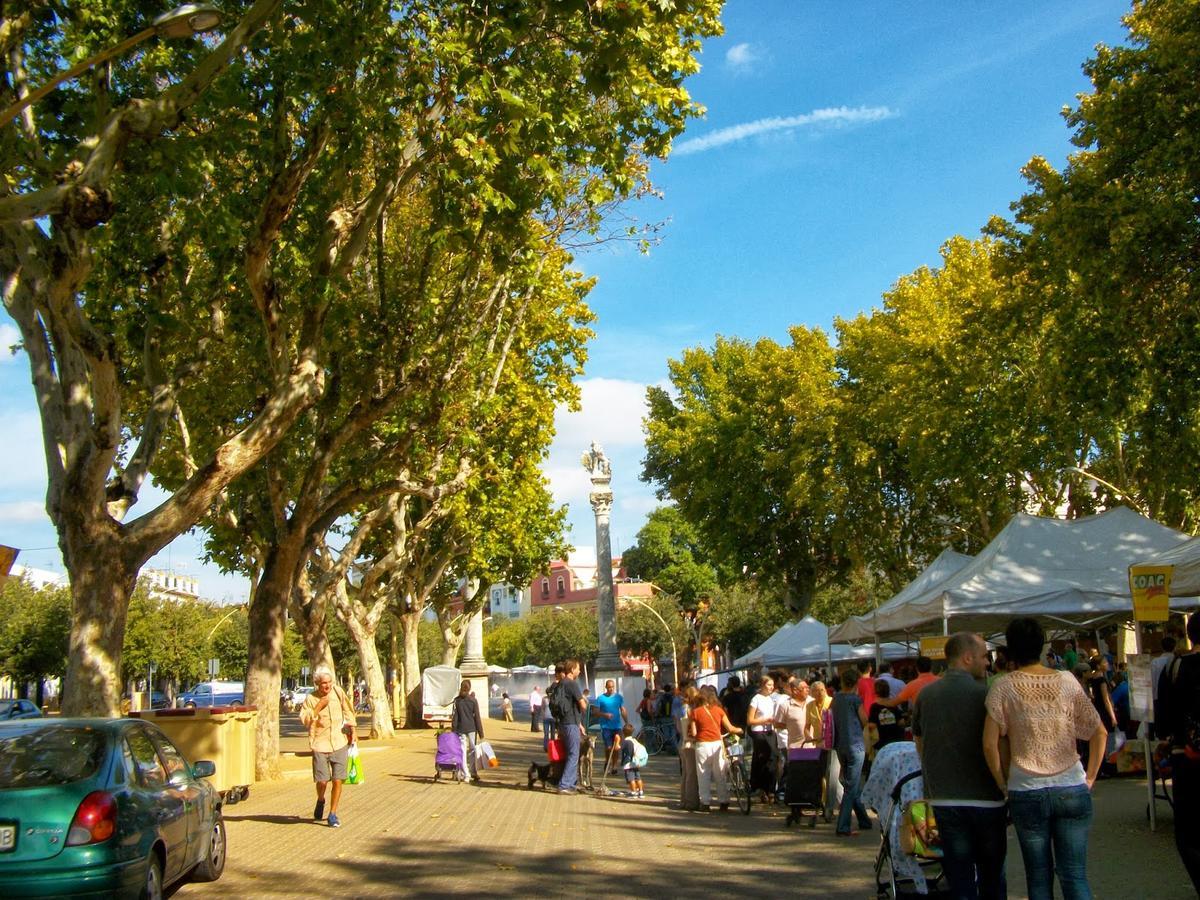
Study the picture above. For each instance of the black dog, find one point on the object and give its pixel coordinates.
(549, 774)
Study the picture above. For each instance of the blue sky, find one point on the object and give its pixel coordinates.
(842, 145)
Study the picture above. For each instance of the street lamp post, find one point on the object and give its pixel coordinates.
(667, 628)
(183, 21)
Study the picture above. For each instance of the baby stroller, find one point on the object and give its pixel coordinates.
(448, 757)
(802, 784)
(909, 860)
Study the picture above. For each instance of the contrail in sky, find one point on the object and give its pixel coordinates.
(837, 115)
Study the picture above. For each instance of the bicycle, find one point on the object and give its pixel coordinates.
(657, 735)
(735, 768)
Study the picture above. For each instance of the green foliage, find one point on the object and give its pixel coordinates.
(554, 636)
(429, 644)
(668, 553)
(34, 631)
(505, 644)
(742, 616)
(640, 631)
(746, 453)
(172, 634)
(1104, 258)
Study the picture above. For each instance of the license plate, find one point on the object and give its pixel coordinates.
(8, 838)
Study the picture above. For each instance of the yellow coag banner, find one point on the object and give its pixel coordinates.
(1151, 589)
(8, 556)
(934, 647)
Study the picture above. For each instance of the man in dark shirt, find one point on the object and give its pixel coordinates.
(735, 701)
(947, 725)
(887, 721)
(570, 725)
(1179, 703)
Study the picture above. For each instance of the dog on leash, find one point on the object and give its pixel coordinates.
(549, 774)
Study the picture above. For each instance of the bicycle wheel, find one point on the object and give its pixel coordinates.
(652, 737)
(739, 785)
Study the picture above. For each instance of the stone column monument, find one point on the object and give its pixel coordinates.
(474, 668)
(608, 660)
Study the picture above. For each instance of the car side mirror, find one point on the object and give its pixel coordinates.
(204, 768)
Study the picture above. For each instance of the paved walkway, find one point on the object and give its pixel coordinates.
(403, 833)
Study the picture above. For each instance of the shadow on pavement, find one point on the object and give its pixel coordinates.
(273, 820)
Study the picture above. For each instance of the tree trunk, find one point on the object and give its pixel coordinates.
(268, 619)
(394, 670)
(409, 622)
(100, 590)
(452, 634)
(310, 620)
(372, 672)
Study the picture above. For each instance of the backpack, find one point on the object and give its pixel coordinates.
(664, 706)
(640, 755)
(560, 704)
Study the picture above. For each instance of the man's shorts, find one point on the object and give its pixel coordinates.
(633, 774)
(608, 736)
(330, 766)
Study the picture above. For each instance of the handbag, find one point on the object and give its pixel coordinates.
(556, 751)
(354, 767)
(484, 752)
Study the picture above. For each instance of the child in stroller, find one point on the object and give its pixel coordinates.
(896, 782)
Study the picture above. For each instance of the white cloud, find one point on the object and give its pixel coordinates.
(741, 57)
(8, 336)
(832, 116)
(610, 413)
(22, 512)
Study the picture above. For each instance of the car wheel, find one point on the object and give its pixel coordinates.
(213, 863)
(152, 889)
(189, 705)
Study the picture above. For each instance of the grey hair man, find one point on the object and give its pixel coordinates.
(329, 718)
(947, 724)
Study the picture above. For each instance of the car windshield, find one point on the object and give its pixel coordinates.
(37, 757)
(6, 707)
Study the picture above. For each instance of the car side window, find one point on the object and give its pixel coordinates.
(147, 765)
(178, 771)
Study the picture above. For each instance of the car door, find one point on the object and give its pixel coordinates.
(167, 813)
(181, 783)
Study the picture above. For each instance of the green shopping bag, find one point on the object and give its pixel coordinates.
(354, 767)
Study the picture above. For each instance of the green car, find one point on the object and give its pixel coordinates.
(103, 807)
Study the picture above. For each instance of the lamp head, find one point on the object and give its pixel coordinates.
(186, 20)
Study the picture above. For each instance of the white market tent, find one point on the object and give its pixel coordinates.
(1185, 557)
(862, 628)
(806, 643)
(1068, 573)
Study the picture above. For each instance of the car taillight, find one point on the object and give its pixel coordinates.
(95, 820)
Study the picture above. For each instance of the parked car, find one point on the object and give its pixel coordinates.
(19, 709)
(299, 695)
(214, 693)
(103, 806)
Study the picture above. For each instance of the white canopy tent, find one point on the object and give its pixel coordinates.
(1066, 572)
(862, 628)
(806, 643)
(1185, 557)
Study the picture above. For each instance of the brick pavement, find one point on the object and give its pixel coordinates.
(403, 834)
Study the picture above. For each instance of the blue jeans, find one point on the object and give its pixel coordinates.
(1052, 825)
(974, 843)
(549, 729)
(570, 775)
(852, 765)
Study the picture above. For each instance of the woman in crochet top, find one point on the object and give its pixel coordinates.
(1042, 711)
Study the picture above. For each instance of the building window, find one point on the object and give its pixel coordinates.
(561, 586)
(545, 587)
